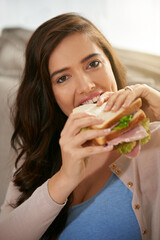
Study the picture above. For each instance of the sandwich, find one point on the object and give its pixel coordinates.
(128, 128)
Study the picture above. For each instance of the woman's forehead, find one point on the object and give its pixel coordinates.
(77, 46)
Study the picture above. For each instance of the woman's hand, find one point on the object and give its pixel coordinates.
(124, 97)
(75, 152)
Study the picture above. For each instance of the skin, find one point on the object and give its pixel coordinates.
(80, 70)
(83, 76)
(123, 98)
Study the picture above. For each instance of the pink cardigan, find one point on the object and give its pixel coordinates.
(141, 175)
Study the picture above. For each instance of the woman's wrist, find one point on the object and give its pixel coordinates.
(60, 188)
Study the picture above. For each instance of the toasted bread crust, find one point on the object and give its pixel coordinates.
(138, 117)
(131, 109)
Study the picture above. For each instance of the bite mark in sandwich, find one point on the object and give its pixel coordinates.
(128, 128)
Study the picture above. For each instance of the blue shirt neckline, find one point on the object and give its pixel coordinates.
(92, 198)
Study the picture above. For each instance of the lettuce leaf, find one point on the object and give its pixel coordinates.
(126, 147)
(145, 123)
(84, 129)
(145, 140)
(124, 121)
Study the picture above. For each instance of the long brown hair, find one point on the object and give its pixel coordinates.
(38, 120)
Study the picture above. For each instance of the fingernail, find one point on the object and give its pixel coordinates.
(109, 147)
(100, 102)
(100, 119)
(107, 130)
(107, 108)
(91, 114)
(114, 108)
(125, 105)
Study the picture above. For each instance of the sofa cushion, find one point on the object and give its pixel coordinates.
(12, 48)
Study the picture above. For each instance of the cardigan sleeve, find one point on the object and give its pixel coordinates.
(29, 220)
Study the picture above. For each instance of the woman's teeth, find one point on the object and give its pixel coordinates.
(94, 100)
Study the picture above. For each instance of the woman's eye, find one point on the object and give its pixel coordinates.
(94, 64)
(62, 79)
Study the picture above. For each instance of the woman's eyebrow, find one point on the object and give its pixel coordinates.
(58, 71)
(82, 61)
(90, 56)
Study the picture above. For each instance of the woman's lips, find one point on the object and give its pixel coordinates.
(92, 98)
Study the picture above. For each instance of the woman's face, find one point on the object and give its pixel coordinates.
(80, 72)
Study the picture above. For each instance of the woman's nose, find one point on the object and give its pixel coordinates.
(85, 85)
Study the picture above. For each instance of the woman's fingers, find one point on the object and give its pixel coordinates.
(73, 117)
(84, 123)
(115, 101)
(124, 97)
(132, 92)
(88, 135)
(103, 98)
(75, 124)
(92, 150)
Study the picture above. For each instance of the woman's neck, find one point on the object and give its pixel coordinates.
(97, 174)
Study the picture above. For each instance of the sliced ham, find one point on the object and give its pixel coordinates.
(134, 134)
(135, 151)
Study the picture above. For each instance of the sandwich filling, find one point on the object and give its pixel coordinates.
(123, 122)
(132, 139)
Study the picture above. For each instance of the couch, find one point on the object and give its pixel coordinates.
(12, 45)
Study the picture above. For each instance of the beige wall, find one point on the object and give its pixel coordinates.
(128, 24)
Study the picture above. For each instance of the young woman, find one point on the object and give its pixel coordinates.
(63, 188)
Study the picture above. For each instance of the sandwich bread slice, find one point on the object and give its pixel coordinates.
(127, 128)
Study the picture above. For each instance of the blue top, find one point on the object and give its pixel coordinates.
(106, 216)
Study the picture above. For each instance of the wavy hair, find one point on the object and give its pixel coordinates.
(37, 118)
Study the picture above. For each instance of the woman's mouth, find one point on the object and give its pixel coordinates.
(93, 100)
